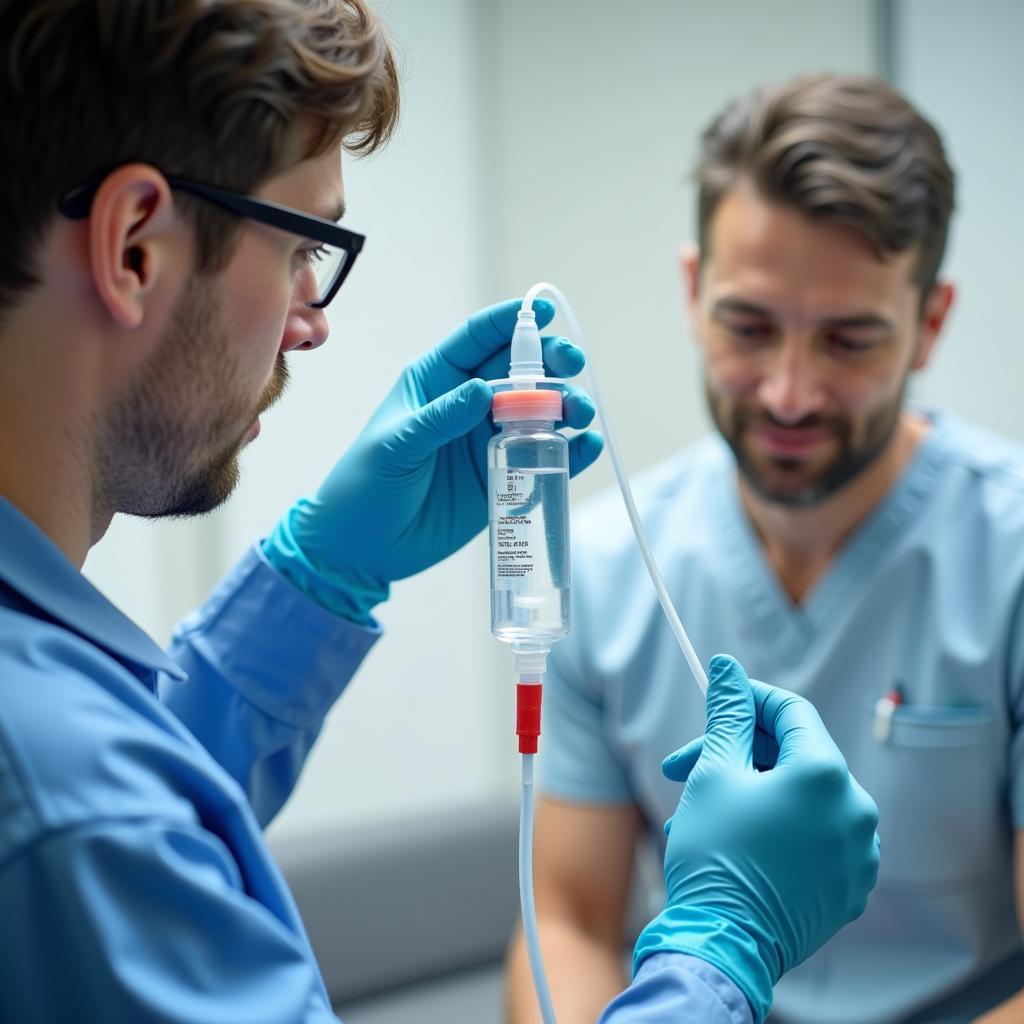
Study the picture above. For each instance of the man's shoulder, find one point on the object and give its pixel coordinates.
(81, 739)
(989, 457)
(983, 479)
(675, 487)
(44, 663)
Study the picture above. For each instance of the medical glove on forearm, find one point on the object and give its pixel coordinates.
(412, 489)
(761, 868)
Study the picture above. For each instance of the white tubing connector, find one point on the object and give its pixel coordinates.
(527, 360)
(530, 662)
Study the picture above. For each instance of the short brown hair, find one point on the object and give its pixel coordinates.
(842, 148)
(229, 92)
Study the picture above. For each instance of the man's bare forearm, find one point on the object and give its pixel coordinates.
(584, 975)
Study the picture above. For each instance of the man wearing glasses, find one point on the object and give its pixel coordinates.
(172, 240)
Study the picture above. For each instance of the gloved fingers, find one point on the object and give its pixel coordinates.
(869, 864)
(584, 450)
(865, 820)
(867, 809)
(452, 415)
(485, 333)
(561, 359)
(678, 766)
(729, 735)
(766, 750)
(796, 726)
(577, 408)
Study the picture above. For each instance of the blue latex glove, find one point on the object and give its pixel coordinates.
(412, 489)
(762, 868)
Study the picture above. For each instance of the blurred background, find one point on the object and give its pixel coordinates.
(553, 139)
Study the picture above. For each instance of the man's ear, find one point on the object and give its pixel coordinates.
(933, 317)
(689, 267)
(130, 217)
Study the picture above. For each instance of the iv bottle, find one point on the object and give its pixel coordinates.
(528, 499)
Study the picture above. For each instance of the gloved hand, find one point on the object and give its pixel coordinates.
(412, 489)
(762, 868)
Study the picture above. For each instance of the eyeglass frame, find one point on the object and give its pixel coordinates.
(76, 202)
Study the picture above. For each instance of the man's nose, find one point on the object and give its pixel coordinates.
(790, 388)
(306, 328)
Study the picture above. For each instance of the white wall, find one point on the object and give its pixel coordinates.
(962, 64)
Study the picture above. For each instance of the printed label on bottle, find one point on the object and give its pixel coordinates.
(514, 505)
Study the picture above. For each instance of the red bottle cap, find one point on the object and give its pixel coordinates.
(531, 404)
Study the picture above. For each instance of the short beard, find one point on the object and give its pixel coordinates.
(848, 464)
(159, 456)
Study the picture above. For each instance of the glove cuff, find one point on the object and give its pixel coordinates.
(343, 595)
(752, 965)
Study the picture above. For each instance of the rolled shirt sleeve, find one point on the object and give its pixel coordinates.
(675, 987)
(264, 665)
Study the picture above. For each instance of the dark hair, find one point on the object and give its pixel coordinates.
(841, 148)
(229, 92)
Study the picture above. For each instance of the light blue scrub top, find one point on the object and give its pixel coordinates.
(927, 595)
(135, 885)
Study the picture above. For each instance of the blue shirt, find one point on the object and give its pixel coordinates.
(670, 988)
(927, 596)
(135, 885)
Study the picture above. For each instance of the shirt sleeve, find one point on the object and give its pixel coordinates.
(264, 664)
(1016, 767)
(1015, 704)
(579, 762)
(676, 987)
(139, 922)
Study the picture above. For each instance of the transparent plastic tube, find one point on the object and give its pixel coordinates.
(627, 495)
(526, 904)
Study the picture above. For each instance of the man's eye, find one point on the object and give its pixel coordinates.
(852, 346)
(314, 256)
(749, 331)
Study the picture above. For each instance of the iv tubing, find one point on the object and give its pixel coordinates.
(627, 495)
(526, 905)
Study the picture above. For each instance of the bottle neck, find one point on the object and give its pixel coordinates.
(526, 424)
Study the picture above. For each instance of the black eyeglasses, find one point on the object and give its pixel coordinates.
(331, 260)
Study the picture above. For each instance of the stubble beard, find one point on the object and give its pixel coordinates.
(786, 482)
(170, 445)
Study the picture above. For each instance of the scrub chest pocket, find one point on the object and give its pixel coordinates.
(938, 780)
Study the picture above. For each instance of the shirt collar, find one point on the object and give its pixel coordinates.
(36, 569)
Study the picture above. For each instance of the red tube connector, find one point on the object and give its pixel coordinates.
(528, 698)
